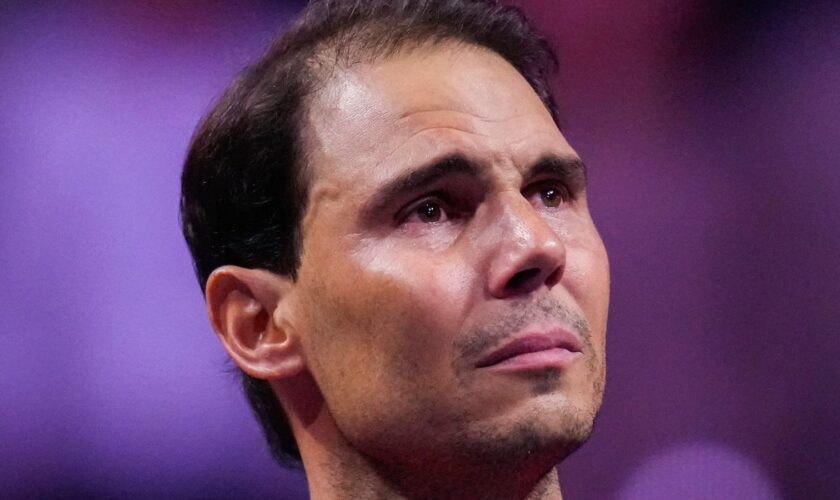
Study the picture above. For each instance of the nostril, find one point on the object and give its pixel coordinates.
(522, 278)
(553, 278)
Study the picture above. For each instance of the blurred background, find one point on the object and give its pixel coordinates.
(712, 133)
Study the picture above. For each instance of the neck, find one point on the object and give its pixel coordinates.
(336, 470)
(358, 478)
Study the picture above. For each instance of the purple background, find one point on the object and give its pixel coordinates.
(712, 133)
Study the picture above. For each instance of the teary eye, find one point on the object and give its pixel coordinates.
(551, 194)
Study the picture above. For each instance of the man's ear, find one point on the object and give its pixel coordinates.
(250, 311)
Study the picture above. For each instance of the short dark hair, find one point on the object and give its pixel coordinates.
(244, 184)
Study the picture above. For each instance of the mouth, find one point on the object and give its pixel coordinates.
(552, 348)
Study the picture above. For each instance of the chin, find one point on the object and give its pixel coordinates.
(541, 436)
(560, 426)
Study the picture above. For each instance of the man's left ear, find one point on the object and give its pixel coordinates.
(250, 311)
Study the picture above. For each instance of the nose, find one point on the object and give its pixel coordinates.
(528, 252)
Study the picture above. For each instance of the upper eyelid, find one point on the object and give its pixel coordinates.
(570, 171)
(549, 181)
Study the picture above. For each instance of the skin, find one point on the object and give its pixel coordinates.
(373, 350)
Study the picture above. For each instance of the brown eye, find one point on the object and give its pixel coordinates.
(429, 212)
(552, 196)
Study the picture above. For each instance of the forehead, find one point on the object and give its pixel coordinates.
(373, 120)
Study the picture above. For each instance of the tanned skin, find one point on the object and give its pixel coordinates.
(446, 217)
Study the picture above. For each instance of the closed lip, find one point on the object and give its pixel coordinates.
(531, 342)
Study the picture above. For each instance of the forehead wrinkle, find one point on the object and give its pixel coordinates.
(530, 135)
(463, 126)
(496, 160)
(442, 145)
(355, 86)
(501, 149)
(412, 114)
(464, 121)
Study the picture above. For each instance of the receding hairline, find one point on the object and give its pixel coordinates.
(328, 62)
(369, 42)
(327, 76)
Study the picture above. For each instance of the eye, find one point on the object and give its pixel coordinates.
(553, 195)
(427, 211)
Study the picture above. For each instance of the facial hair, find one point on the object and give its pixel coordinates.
(525, 439)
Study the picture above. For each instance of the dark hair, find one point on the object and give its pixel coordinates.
(244, 185)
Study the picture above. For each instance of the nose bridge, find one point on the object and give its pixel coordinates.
(521, 226)
(526, 251)
(522, 222)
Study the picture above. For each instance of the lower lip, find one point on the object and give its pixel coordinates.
(557, 358)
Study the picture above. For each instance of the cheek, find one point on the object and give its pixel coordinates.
(380, 346)
(382, 322)
(587, 274)
(587, 278)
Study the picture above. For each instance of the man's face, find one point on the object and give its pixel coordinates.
(447, 237)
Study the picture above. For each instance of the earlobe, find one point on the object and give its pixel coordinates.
(250, 311)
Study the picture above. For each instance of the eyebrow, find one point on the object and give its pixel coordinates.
(570, 168)
(421, 178)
